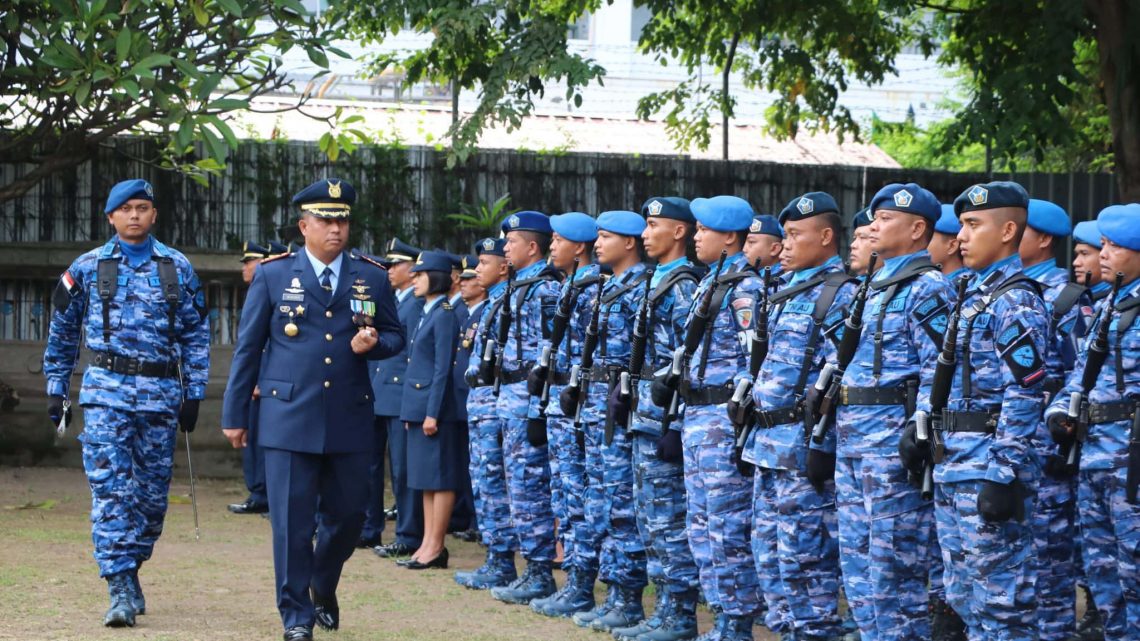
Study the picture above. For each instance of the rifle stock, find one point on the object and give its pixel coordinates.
(693, 335)
(503, 330)
(1094, 362)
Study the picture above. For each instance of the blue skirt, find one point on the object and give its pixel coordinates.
(437, 463)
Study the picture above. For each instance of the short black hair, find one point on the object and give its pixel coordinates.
(439, 282)
(831, 219)
(541, 239)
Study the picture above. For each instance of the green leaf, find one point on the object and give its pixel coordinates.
(129, 86)
(215, 145)
(224, 129)
(228, 104)
(200, 15)
(123, 45)
(318, 57)
(82, 92)
(231, 6)
(152, 61)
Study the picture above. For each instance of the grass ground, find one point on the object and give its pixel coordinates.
(220, 588)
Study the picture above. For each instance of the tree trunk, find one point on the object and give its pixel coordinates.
(1115, 23)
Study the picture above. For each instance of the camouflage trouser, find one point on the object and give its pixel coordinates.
(778, 619)
(659, 489)
(1110, 527)
(806, 559)
(568, 493)
(719, 512)
(1054, 538)
(489, 485)
(990, 572)
(888, 547)
(528, 486)
(129, 458)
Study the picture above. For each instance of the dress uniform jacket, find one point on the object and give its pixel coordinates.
(388, 373)
(427, 381)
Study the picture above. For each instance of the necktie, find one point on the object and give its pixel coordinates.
(326, 279)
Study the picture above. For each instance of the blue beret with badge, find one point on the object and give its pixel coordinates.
(723, 213)
(136, 189)
(1049, 218)
(948, 222)
(491, 247)
(432, 261)
(991, 195)
(400, 252)
(1087, 232)
(671, 207)
(535, 221)
(330, 198)
(626, 223)
(766, 224)
(575, 227)
(909, 198)
(1121, 225)
(252, 251)
(469, 262)
(862, 218)
(810, 204)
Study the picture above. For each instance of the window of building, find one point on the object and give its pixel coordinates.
(637, 22)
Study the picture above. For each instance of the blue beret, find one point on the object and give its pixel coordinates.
(1049, 218)
(252, 251)
(910, 198)
(672, 207)
(128, 190)
(1087, 232)
(766, 224)
(401, 252)
(723, 213)
(276, 248)
(432, 261)
(862, 218)
(992, 195)
(810, 204)
(331, 198)
(575, 227)
(468, 262)
(527, 221)
(1121, 225)
(491, 247)
(948, 222)
(626, 223)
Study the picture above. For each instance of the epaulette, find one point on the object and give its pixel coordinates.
(368, 260)
(446, 305)
(276, 257)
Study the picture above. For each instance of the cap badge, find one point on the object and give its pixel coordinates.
(655, 208)
(513, 221)
(903, 198)
(755, 227)
(978, 195)
(806, 206)
(334, 189)
(488, 244)
(149, 190)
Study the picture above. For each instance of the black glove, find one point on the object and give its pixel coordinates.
(535, 380)
(669, 447)
(914, 457)
(1057, 467)
(742, 413)
(820, 468)
(1060, 428)
(188, 415)
(617, 406)
(1000, 502)
(568, 400)
(56, 411)
(812, 402)
(536, 431)
(661, 389)
(472, 378)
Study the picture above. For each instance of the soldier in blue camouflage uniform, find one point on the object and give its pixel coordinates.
(532, 307)
(659, 481)
(573, 238)
(1086, 259)
(719, 496)
(1054, 528)
(141, 308)
(1108, 516)
(860, 252)
(610, 510)
(944, 249)
(886, 531)
(794, 521)
(986, 483)
(488, 473)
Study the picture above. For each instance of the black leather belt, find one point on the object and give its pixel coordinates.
(872, 395)
(133, 366)
(779, 416)
(560, 378)
(1111, 412)
(981, 422)
(708, 395)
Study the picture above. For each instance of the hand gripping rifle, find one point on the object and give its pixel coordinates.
(1094, 362)
(742, 406)
(557, 335)
(629, 380)
(493, 350)
(693, 336)
(831, 377)
(583, 368)
(927, 432)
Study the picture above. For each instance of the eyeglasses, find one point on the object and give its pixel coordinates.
(141, 209)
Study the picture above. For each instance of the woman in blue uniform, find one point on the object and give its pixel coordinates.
(435, 444)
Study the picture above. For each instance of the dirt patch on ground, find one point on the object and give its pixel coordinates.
(221, 587)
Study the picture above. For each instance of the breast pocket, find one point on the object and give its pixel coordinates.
(789, 337)
(115, 308)
(276, 390)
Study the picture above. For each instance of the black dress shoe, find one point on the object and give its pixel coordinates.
(440, 561)
(390, 514)
(249, 507)
(327, 611)
(299, 633)
(368, 542)
(393, 550)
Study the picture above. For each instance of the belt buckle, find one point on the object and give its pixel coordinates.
(133, 366)
(843, 395)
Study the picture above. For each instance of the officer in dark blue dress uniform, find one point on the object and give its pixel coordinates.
(388, 385)
(321, 313)
(473, 297)
(252, 458)
(463, 514)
